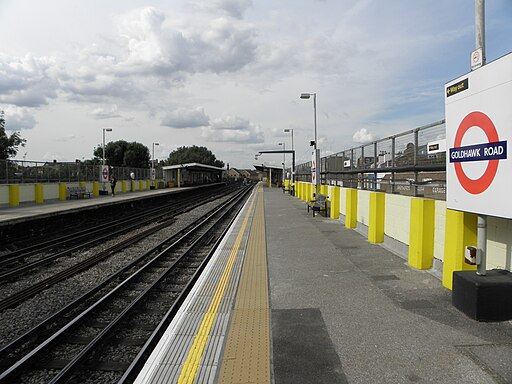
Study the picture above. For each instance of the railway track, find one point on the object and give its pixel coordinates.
(105, 335)
(18, 262)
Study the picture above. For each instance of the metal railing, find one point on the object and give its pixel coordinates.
(17, 171)
(397, 164)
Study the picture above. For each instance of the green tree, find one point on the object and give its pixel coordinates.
(194, 154)
(9, 144)
(123, 154)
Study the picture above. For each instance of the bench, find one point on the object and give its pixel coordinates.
(78, 192)
(318, 204)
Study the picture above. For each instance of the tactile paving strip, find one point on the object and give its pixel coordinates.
(247, 355)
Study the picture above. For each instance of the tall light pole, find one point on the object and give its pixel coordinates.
(293, 165)
(153, 175)
(105, 130)
(315, 143)
(284, 158)
(153, 155)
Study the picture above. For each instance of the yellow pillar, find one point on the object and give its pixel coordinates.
(377, 212)
(179, 178)
(148, 185)
(311, 190)
(301, 190)
(123, 186)
(132, 186)
(39, 193)
(14, 195)
(141, 185)
(421, 233)
(62, 191)
(95, 188)
(334, 197)
(156, 184)
(351, 211)
(461, 230)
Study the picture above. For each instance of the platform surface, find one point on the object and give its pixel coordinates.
(336, 309)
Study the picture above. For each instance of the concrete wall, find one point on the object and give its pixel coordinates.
(397, 230)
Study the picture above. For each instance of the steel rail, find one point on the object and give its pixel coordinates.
(26, 360)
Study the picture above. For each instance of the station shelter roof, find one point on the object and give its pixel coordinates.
(193, 167)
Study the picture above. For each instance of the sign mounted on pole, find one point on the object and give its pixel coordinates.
(104, 173)
(478, 128)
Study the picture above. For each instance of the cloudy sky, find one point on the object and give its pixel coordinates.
(227, 74)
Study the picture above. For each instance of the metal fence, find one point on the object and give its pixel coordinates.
(398, 164)
(15, 172)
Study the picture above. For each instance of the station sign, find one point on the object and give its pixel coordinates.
(104, 176)
(478, 130)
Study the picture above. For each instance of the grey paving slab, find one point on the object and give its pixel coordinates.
(388, 323)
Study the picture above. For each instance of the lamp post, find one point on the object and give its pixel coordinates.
(153, 176)
(293, 165)
(315, 143)
(284, 158)
(104, 174)
(105, 130)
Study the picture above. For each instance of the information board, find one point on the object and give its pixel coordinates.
(478, 129)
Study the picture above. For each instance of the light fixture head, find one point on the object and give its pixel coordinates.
(305, 95)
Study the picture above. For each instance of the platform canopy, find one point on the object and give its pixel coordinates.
(193, 167)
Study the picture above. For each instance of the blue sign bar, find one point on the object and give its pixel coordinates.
(479, 152)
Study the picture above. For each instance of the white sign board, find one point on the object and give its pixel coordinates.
(477, 58)
(104, 173)
(478, 129)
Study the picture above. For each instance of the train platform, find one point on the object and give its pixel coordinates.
(29, 211)
(292, 298)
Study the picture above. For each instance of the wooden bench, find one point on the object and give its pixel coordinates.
(318, 204)
(78, 192)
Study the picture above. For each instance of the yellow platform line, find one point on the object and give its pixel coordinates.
(191, 365)
(246, 358)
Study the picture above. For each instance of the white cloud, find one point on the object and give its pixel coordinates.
(102, 113)
(363, 136)
(186, 118)
(18, 118)
(27, 81)
(233, 129)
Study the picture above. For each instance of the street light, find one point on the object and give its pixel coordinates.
(153, 176)
(105, 130)
(284, 158)
(293, 169)
(317, 157)
(153, 156)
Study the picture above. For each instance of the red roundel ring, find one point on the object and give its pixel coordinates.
(481, 120)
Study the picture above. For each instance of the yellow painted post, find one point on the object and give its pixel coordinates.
(39, 193)
(156, 184)
(351, 215)
(302, 190)
(148, 185)
(377, 214)
(132, 186)
(95, 188)
(123, 186)
(141, 185)
(14, 195)
(179, 178)
(421, 233)
(334, 197)
(311, 190)
(62, 191)
(461, 230)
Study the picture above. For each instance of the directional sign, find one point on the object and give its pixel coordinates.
(478, 129)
